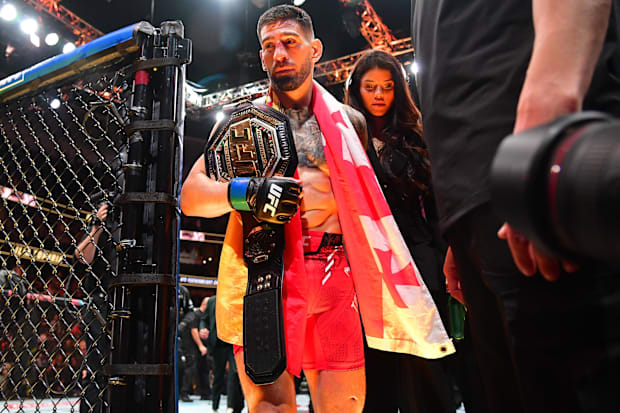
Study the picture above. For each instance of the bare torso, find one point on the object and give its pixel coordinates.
(318, 207)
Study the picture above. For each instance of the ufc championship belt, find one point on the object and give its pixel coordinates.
(257, 141)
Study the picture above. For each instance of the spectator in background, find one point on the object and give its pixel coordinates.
(20, 317)
(186, 304)
(191, 348)
(4, 376)
(205, 367)
(13, 280)
(222, 353)
(96, 249)
(14, 286)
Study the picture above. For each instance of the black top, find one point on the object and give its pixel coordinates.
(190, 321)
(416, 217)
(473, 56)
(185, 301)
(10, 280)
(208, 322)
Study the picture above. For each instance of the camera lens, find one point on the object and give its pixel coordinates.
(583, 190)
(559, 185)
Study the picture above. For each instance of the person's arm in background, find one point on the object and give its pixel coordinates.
(86, 249)
(198, 341)
(203, 326)
(568, 41)
(203, 333)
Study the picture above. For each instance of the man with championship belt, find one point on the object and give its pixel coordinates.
(324, 291)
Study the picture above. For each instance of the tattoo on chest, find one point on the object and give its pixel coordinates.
(308, 140)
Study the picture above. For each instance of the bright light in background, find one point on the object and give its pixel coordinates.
(8, 12)
(29, 26)
(298, 2)
(219, 116)
(414, 68)
(35, 40)
(55, 103)
(69, 47)
(52, 39)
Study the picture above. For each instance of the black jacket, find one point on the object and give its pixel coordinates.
(416, 218)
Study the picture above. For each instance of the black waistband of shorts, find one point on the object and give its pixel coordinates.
(331, 240)
(328, 241)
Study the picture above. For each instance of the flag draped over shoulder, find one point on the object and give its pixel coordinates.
(397, 310)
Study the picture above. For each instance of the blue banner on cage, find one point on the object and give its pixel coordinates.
(105, 49)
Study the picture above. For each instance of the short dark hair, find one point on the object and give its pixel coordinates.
(286, 12)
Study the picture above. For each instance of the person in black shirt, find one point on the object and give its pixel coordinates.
(13, 280)
(191, 348)
(13, 289)
(222, 353)
(185, 301)
(185, 306)
(488, 69)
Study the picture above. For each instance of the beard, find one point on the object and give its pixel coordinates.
(288, 82)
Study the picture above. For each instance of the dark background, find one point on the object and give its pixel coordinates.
(223, 31)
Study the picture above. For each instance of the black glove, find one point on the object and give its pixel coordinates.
(273, 200)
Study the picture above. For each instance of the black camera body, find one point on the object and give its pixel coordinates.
(559, 185)
(98, 199)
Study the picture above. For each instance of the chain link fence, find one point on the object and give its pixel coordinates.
(90, 160)
(61, 157)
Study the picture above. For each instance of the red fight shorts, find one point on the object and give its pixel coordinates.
(333, 327)
(333, 335)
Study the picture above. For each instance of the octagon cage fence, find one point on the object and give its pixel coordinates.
(90, 161)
